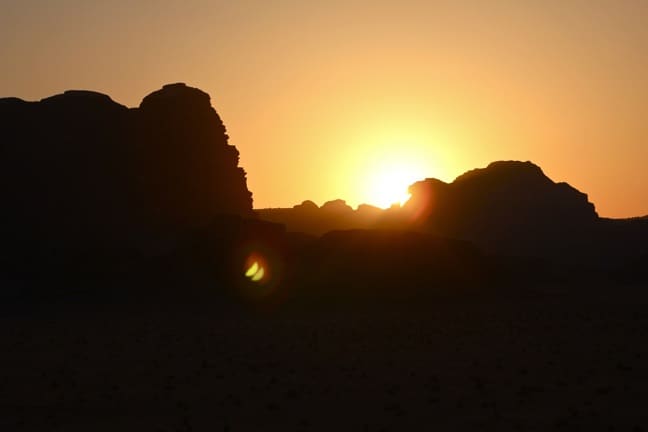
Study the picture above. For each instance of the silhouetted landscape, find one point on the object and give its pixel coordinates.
(142, 291)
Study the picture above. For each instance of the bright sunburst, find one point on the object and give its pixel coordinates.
(389, 183)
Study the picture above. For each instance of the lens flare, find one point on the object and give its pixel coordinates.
(254, 268)
(258, 275)
(256, 272)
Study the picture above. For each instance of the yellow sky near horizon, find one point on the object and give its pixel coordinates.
(320, 98)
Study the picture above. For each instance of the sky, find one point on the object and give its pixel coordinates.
(342, 99)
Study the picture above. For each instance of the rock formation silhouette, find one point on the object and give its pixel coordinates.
(86, 181)
(80, 172)
(307, 217)
(509, 207)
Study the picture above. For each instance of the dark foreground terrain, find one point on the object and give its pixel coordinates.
(556, 358)
(139, 291)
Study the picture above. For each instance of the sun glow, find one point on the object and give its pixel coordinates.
(389, 183)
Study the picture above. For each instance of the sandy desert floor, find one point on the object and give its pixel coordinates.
(541, 363)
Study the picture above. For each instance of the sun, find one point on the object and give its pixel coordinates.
(389, 183)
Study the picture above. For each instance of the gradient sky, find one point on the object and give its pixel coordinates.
(322, 97)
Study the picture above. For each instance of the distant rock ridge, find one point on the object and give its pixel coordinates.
(507, 207)
(307, 217)
(79, 170)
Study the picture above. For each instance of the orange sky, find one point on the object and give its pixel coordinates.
(321, 97)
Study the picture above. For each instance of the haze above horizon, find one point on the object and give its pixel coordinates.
(323, 98)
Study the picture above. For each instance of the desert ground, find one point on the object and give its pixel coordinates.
(545, 360)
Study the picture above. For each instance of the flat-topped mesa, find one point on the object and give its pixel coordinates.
(80, 170)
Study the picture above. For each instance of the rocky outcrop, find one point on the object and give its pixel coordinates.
(308, 218)
(336, 207)
(306, 206)
(509, 206)
(184, 145)
(81, 172)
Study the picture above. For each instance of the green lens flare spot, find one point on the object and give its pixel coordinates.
(252, 271)
(259, 275)
(256, 272)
